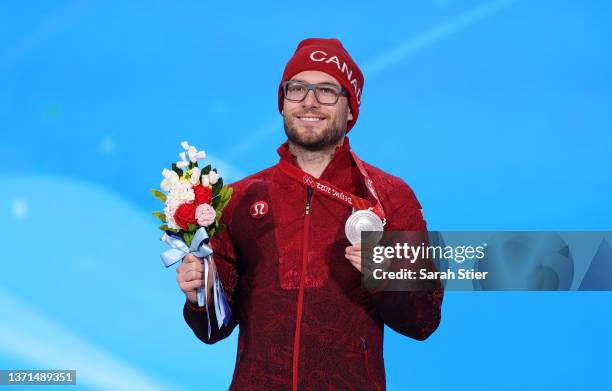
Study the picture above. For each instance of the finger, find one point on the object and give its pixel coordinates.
(193, 275)
(191, 285)
(182, 267)
(354, 248)
(190, 258)
(352, 251)
(189, 261)
(353, 258)
(195, 267)
(189, 275)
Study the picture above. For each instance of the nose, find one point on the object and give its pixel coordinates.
(310, 100)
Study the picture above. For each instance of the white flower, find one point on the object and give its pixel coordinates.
(201, 155)
(165, 185)
(182, 193)
(205, 180)
(195, 176)
(173, 178)
(214, 177)
(193, 154)
(182, 164)
(183, 157)
(185, 145)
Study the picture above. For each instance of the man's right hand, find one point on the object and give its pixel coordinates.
(190, 277)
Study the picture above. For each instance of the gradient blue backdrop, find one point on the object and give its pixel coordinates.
(497, 113)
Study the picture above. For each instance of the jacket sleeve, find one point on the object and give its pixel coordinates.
(225, 259)
(414, 313)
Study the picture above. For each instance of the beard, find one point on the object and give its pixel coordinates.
(309, 140)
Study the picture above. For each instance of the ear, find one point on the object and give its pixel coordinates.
(350, 115)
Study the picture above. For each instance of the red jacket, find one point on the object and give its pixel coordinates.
(305, 320)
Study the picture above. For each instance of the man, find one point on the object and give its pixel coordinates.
(289, 272)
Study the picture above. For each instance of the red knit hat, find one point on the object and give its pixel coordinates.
(329, 56)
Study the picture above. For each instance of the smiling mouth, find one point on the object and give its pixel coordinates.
(310, 118)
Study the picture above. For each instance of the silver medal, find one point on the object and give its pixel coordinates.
(363, 220)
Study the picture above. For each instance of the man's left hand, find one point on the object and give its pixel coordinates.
(353, 254)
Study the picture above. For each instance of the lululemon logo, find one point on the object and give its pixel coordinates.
(259, 209)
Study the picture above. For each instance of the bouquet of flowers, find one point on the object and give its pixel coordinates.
(194, 200)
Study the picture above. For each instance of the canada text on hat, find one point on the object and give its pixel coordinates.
(320, 55)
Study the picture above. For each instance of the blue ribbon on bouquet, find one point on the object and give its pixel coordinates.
(199, 248)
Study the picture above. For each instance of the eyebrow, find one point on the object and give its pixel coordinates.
(324, 83)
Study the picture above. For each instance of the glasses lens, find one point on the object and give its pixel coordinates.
(327, 94)
(295, 91)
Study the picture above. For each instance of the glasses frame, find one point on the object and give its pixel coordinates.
(313, 88)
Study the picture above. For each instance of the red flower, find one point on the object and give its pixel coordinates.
(203, 195)
(185, 215)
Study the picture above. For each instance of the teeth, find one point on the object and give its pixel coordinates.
(309, 118)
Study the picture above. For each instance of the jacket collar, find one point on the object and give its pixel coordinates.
(337, 169)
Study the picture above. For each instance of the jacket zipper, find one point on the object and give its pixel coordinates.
(367, 362)
(298, 320)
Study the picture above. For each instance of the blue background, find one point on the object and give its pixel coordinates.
(497, 113)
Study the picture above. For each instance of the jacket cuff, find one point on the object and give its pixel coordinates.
(194, 307)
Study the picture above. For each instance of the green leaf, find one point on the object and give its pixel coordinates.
(188, 237)
(226, 195)
(220, 228)
(206, 169)
(192, 227)
(218, 186)
(159, 195)
(223, 191)
(215, 201)
(160, 216)
(216, 196)
(164, 227)
(215, 229)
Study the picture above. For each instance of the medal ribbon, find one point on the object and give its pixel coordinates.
(329, 190)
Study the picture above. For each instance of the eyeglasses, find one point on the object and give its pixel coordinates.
(325, 93)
